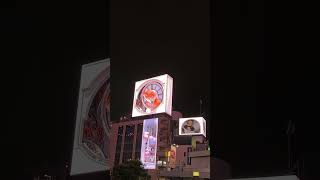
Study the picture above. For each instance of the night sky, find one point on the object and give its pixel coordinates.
(230, 54)
(152, 38)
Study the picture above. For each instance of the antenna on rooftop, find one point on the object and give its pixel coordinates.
(200, 106)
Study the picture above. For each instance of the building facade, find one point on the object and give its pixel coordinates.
(189, 163)
(126, 137)
(184, 157)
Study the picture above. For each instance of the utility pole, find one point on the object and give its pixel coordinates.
(66, 171)
(290, 132)
(200, 107)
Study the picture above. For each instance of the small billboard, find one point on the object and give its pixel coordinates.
(192, 126)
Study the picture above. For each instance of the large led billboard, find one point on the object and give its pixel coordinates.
(149, 143)
(91, 137)
(153, 96)
(192, 126)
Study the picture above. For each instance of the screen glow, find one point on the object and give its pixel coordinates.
(149, 143)
(192, 126)
(91, 137)
(153, 96)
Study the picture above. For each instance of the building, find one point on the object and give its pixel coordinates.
(126, 134)
(184, 157)
(189, 164)
(196, 163)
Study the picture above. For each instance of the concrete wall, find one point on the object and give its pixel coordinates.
(176, 115)
(200, 163)
(181, 150)
(194, 154)
(113, 142)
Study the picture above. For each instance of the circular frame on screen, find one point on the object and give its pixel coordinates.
(150, 96)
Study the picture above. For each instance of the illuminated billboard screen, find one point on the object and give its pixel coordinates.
(192, 126)
(91, 137)
(149, 143)
(173, 157)
(153, 96)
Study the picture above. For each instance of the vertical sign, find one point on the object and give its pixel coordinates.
(91, 137)
(173, 157)
(149, 143)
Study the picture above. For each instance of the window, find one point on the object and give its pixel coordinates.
(128, 143)
(184, 153)
(189, 158)
(138, 141)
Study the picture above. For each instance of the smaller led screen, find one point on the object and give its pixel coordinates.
(192, 126)
(149, 143)
(173, 156)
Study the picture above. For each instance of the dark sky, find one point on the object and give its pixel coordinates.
(242, 61)
(153, 38)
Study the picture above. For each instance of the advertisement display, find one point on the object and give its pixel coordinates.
(153, 96)
(173, 157)
(192, 126)
(149, 143)
(91, 138)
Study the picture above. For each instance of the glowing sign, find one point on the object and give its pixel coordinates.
(153, 96)
(91, 137)
(195, 174)
(173, 157)
(149, 143)
(192, 126)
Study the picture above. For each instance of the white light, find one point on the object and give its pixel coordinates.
(149, 143)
